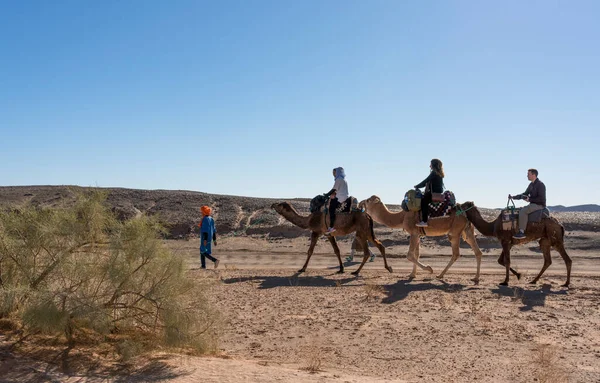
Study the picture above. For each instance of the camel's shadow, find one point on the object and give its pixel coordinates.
(529, 298)
(298, 279)
(400, 290)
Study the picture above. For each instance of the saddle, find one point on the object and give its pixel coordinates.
(349, 205)
(510, 216)
(444, 208)
(537, 216)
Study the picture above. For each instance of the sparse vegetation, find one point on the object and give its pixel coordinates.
(545, 361)
(372, 290)
(314, 356)
(76, 270)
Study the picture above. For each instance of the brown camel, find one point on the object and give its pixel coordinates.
(345, 223)
(453, 226)
(549, 232)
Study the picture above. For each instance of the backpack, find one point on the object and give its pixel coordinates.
(412, 200)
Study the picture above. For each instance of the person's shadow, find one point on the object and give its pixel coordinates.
(529, 298)
(297, 279)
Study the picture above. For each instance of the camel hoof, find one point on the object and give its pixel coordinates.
(341, 271)
(412, 276)
(534, 282)
(430, 269)
(503, 284)
(301, 270)
(518, 275)
(475, 280)
(564, 285)
(389, 268)
(355, 273)
(439, 276)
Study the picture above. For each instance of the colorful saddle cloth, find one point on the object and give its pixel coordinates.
(349, 205)
(442, 209)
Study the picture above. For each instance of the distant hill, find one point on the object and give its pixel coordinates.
(592, 208)
(179, 210)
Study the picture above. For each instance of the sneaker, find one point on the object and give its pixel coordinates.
(519, 235)
(422, 224)
(349, 258)
(217, 263)
(372, 257)
(330, 230)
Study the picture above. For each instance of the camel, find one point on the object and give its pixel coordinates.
(549, 232)
(454, 226)
(345, 223)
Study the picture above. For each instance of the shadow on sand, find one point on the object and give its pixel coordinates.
(50, 365)
(401, 289)
(298, 279)
(529, 298)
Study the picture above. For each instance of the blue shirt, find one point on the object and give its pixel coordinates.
(207, 227)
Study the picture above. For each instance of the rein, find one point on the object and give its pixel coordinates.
(460, 211)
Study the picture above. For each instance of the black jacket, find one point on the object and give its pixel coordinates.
(536, 191)
(436, 183)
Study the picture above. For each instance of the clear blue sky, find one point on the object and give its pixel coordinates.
(264, 98)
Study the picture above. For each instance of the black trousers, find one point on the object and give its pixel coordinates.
(203, 257)
(425, 201)
(333, 205)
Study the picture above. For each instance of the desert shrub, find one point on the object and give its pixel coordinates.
(78, 269)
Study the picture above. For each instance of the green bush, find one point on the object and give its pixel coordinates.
(78, 269)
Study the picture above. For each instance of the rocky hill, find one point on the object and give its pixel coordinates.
(179, 210)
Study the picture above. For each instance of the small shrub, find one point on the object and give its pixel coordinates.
(78, 269)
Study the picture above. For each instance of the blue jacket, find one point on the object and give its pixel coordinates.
(208, 233)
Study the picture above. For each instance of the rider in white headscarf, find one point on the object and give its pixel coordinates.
(339, 194)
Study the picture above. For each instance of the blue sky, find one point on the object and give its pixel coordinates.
(264, 98)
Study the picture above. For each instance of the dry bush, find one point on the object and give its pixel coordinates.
(372, 290)
(78, 269)
(313, 358)
(545, 361)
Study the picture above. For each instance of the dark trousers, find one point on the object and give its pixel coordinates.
(203, 257)
(333, 205)
(425, 206)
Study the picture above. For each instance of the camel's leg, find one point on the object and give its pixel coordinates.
(501, 261)
(506, 259)
(381, 249)
(455, 242)
(365, 247)
(336, 249)
(563, 253)
(313, 242)
(469, 236)
(413, 254)
(545, 246)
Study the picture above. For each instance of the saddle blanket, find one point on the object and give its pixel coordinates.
(442, 209)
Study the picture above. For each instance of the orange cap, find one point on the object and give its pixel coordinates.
(205, 210)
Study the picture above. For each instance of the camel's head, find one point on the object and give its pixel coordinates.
(467, 205)
(282, 207)
(369, 202)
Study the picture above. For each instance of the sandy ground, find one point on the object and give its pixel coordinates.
(379, 327)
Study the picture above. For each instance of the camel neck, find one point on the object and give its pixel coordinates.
(486, 228)
(381, 214)
(297, 219)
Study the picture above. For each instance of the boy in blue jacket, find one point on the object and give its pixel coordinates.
(208, 234)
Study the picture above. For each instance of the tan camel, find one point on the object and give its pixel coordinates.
(549, 232)
(345, 223)
(453, 226)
